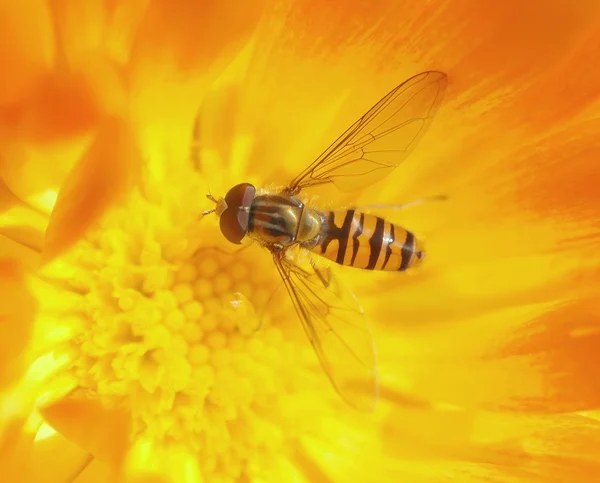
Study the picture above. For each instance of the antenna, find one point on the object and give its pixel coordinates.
(220, 205)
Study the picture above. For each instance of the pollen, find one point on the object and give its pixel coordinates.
(183, 339)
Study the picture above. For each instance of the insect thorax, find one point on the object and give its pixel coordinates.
(282, 219)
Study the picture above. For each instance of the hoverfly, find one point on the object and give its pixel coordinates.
(369, 150)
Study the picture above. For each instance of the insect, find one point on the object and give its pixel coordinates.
(369, 150)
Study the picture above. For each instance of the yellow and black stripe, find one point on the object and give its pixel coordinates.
(366, 241)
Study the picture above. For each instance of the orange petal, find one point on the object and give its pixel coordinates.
(562, 346)
(7, 197)
(96, 472)
(195, 34)
(17, 310)
(62, 105)
(566, 90)
(47, 133)
(15, 448)
(100, 179)
(27, 46)
(514, 40)
(101, 431)
(81, 27)
(565, 185)
(95, 26)
(20, 222)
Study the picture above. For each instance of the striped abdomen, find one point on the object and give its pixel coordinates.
(366, 241)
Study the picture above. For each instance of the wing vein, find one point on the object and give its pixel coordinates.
(390, 121)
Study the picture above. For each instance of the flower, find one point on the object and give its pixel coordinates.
(122, 354)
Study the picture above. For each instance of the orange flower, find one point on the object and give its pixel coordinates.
(122, 355)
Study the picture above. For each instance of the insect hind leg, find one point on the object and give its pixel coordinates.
(323, 274)
(263, 310)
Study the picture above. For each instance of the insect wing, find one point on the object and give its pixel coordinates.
(380, 140)
(337, 329)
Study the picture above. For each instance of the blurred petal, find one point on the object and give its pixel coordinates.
(66, 103)
(96, 472)
(17, 310)
(66, 459)
(20, 222)
(26, 49)
(152, 463)
(97, 28)
(81, 27)
(44, 135)
(7, 197)
(99, 180)
(195, 34)
(34, 173)
(15, 449)
(24, 235)
(100, 431)
(28, 257)
(177, 54)
(62, 105)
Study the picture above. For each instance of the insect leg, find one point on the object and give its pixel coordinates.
(261, 316)
(262, 310)
(234, 252)
(323, 274)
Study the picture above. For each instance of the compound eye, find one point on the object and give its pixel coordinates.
(240, 196)
(234, 224)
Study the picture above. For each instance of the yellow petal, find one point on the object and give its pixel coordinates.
(176, 55)
(17, 310)
(100, 179)
(15, 449)
(152, 463)
(65, 459)
(103, 432)
(20, 222)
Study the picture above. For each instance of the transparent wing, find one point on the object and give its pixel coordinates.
(380, 140)
(337, 329)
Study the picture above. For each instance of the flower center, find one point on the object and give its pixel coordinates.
(188, 338)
